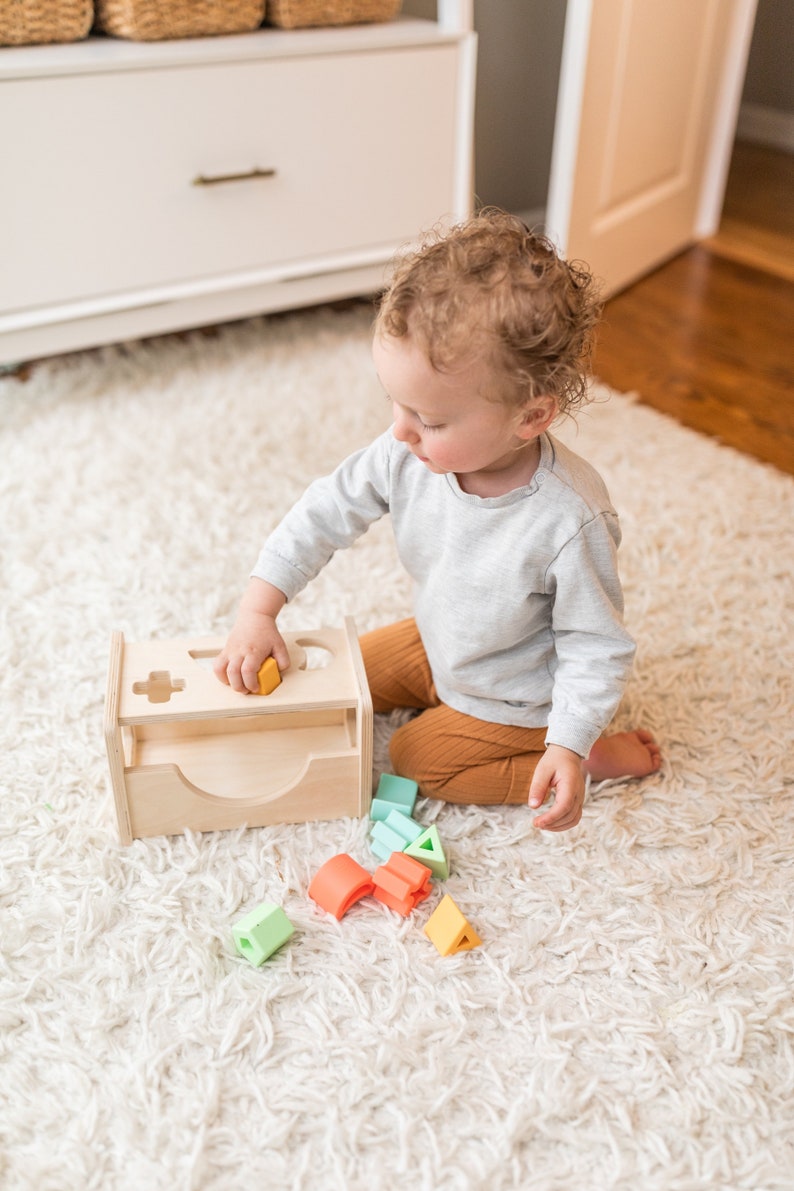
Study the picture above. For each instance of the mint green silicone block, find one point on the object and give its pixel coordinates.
(398, 793)
(405, 826)
(428, 849)
(384, 840)
(261, 932)
(381, 808)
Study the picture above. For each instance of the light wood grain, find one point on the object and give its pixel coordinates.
(188, 753)
(706, 337)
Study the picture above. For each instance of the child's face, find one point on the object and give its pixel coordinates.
(446, 418)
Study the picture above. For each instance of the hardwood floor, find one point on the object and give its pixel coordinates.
(757, 225)
(707, 338)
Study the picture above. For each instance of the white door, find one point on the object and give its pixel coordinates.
(646, 114)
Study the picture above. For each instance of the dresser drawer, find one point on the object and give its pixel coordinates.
(100, 192)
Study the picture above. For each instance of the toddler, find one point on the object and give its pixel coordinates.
(516, 656)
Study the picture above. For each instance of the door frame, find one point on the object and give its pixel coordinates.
(723, 130)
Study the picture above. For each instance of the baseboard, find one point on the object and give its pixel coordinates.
(766, 126)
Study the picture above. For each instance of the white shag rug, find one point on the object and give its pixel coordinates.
(628, 1021)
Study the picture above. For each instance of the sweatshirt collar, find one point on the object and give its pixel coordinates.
(544, 468)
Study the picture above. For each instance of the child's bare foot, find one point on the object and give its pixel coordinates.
(626, 754)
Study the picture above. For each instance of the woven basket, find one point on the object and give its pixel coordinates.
(296, 14)
(32, 22)
(164, 20)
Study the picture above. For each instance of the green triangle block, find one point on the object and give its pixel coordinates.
(427, 849)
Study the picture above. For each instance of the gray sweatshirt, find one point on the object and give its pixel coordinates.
(517, 597)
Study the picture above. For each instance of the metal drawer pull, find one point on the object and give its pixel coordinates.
(215, 179)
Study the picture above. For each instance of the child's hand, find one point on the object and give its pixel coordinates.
(559, 770)
(254, 637)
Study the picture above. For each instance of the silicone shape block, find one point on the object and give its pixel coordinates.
(401, 883)
(384, 840)
(261, 932)
(268, 676)
(381, 808)
(393, 835)
(428, 850)
(449, 930)
(404, 826)
(339, 884)
(396, 793)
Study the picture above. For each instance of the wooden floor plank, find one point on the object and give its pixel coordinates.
(757, 225)
(707, 337)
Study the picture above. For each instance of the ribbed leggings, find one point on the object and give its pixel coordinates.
(450, 755)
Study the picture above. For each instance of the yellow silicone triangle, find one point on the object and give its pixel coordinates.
(467, 940)
(449, 930)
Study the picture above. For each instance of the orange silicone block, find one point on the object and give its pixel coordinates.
(339, 884)
(402, 883)
(268, 676)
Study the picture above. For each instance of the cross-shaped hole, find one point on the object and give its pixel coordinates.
(159, 686)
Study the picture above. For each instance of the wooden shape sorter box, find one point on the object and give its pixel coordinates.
(188, 753)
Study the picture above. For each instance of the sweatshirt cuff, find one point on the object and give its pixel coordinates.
(272, 568)
(571, 732)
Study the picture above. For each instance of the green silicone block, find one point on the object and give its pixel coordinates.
(381, 808)
(427, 849)
(384, 840)
(398, 790)
(405, 826)
(260, 933)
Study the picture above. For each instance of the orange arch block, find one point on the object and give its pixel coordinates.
(339, 884)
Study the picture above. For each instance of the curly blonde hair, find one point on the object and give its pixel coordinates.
(492, 285)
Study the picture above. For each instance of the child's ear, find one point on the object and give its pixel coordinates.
(536, 416)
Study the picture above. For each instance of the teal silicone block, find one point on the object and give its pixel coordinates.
(260, 933)
(405, 826)
(381, 808)
(400, 792)
(384, 840)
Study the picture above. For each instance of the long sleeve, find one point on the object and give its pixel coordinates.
(517, 597)
(333, 511)
(593, 651)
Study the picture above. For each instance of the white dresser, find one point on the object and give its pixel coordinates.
(150, 187)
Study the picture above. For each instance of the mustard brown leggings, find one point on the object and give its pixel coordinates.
(452, 756)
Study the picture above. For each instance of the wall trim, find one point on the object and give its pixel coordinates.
(766, 126)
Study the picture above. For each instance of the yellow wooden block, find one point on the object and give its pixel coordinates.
(268, 676)
(449, 930)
